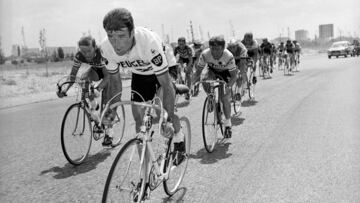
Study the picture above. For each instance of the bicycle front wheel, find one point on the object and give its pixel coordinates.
(124, 183)
(177, 171)
(236, 98)
(210, 124)
(76, 134)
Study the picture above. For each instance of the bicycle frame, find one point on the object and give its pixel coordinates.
(148, 158)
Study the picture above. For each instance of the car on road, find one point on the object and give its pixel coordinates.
(341, 48)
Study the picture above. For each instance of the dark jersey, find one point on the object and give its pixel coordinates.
(185, 53)
(97, 62)
(266, 48)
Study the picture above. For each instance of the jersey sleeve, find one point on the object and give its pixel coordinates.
(230, 65)
(157, 56)
(109, 59)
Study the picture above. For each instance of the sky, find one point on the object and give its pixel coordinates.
(65, 21)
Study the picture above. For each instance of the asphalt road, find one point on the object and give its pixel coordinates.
(299, 141)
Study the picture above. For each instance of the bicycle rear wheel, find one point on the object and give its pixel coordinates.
(210, 124)
(177, 172)
(123, 184)
(76, 134)
(236, 98)
(118, 126)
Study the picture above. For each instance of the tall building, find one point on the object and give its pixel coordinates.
(301, 35)
(326, 31)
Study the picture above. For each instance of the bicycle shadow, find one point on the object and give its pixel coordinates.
(177, 197)
(69, 170)
(236, 120)
(249, 102)
(220, 152)
(183, 103)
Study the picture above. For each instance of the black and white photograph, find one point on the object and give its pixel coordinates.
(180, 101)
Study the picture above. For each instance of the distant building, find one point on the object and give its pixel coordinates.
(15, 50)
(326, 31)
(301, 35)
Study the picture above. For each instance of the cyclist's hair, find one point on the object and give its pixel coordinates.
(118, 19)
(181, 39)
(248, 35)
(87, 41)
(265, 40)
(217, 41)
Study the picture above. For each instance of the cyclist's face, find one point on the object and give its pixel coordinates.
(88, 52)
(121, 40)
(216, 51)
(181, 43)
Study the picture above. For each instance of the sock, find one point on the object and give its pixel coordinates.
(178, 137)
(227, 123)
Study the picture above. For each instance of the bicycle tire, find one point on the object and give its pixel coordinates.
(236, 99)
(130, 190)
(67, 150)
(119, 126)
(170, 188)
(210, 138)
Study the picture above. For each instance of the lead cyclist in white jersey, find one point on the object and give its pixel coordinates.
(141, 51)
(221, 64)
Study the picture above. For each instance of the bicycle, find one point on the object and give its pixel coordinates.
(237, 93)
(83, 124)
(138, 159)
(212, 104)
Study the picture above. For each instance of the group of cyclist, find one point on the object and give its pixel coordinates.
(155, 66)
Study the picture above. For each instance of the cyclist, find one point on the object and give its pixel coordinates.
(170, 58)
(252, 50)
(140, 50)
(281, 52)
(297, 50)
(239, 50)
(197, 47)
(266, 52)
(221, 64)
(289, 47)
(90, 54)
(185, 55)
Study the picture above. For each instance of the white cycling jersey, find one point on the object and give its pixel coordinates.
(226, 61)
(146, 57)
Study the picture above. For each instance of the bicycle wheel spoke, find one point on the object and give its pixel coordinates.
(118, 126)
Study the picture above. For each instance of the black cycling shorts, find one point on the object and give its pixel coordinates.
(222, 75)
(145, 85)
(184, 60)
(98, 72)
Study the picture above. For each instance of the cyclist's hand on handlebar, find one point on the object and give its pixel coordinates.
(97, 92)
(61, 94)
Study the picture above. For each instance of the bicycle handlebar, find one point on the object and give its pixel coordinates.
(211, 81)
(163, 114)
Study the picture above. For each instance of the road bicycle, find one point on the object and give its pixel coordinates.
(238, 93)
(289, 63)
(213, 115)
(138, 169)
(81, 124)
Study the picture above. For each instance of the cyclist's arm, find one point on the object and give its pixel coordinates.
(74, 70)
(169, 99)
(105, 80)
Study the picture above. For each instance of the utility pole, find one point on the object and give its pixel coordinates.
(288, 30)
(201, 34)
(192, 32)
(163, 32)
(42, 42)
(209, 35)
(232, 30)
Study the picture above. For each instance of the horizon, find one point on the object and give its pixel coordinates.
(65, 23)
